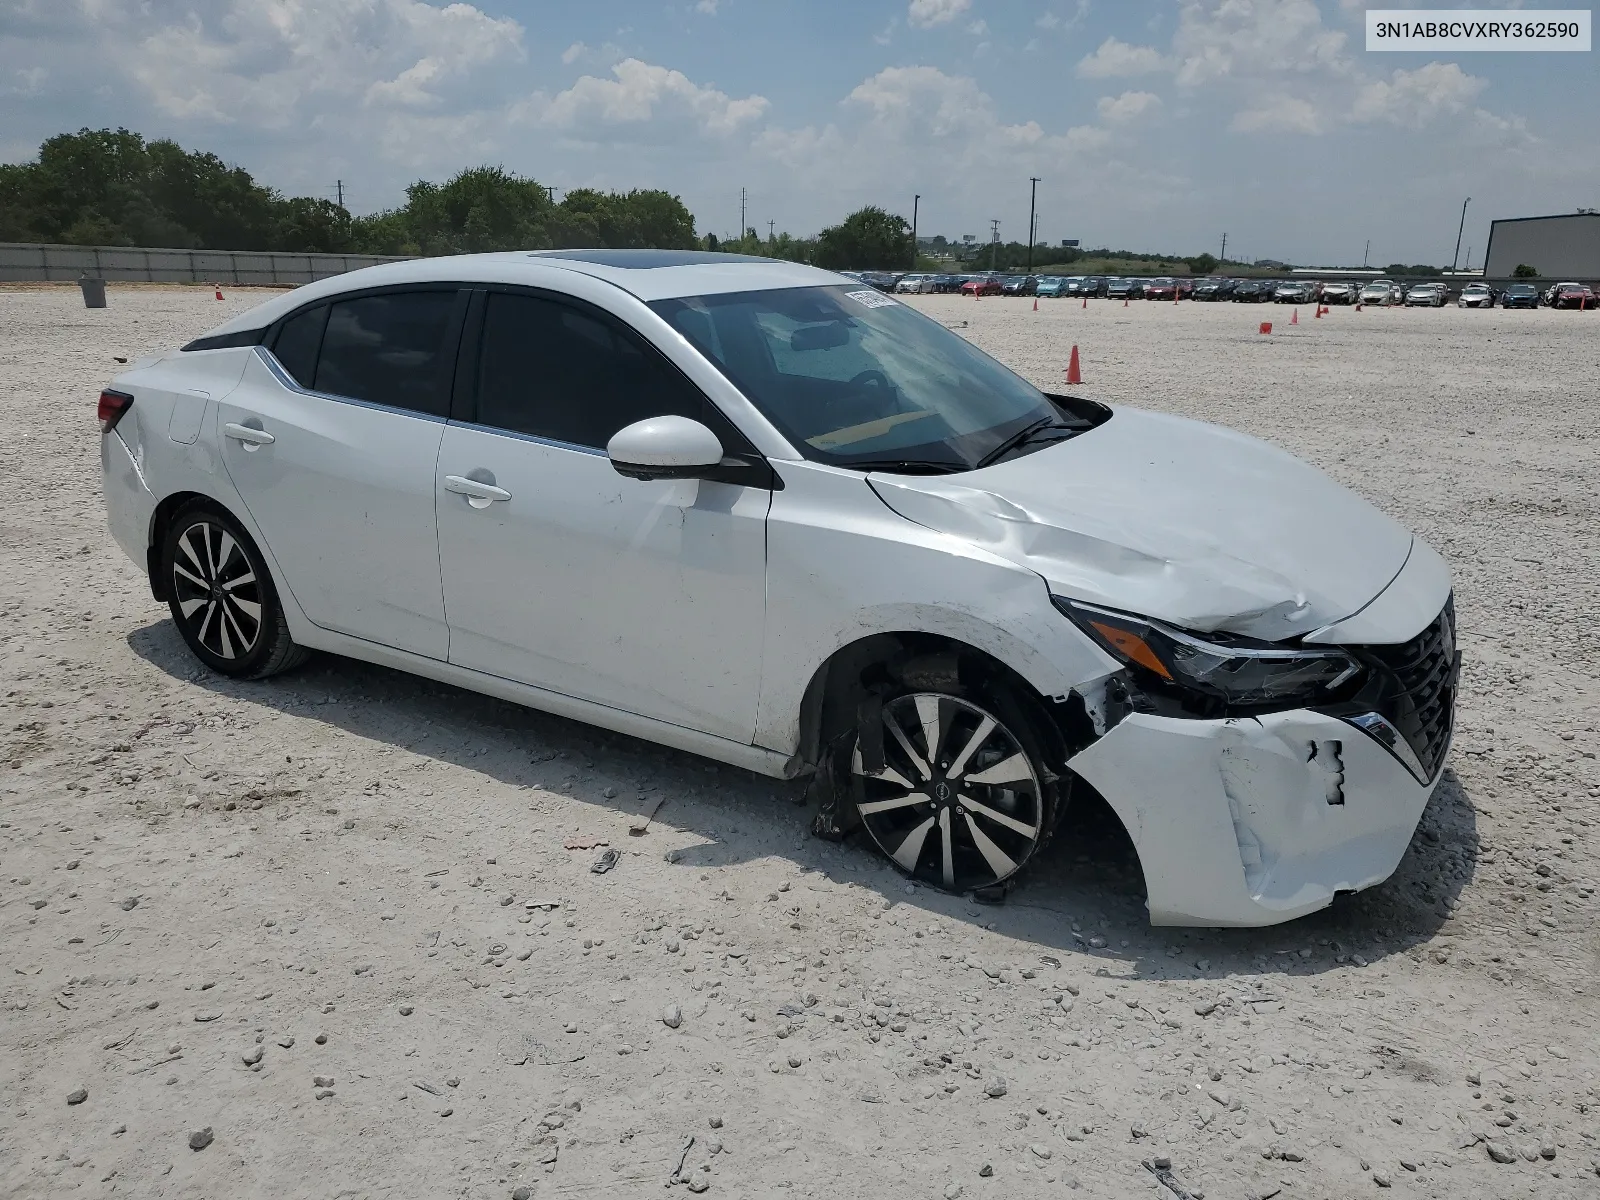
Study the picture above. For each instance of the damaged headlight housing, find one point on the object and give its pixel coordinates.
(1233, 670)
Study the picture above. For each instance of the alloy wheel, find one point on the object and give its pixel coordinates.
(216, 590)
(958, 803)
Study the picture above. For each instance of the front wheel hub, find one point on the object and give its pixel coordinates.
(958, 803)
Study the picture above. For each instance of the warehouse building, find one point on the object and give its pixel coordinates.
(1563, 247)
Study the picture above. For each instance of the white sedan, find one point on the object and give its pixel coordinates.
(757, 511)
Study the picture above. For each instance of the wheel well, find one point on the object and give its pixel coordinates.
(158, 535)
(852, 672)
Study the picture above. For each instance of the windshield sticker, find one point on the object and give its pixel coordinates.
(870, 298)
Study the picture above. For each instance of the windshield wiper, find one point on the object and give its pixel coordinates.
(1016, 440)
(909, 466)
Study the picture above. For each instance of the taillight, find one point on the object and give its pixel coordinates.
(112, 406)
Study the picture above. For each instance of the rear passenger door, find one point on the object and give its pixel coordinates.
(331, 440)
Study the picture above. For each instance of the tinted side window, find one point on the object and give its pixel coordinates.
(390, 350)
(555, 371)
(297, 344)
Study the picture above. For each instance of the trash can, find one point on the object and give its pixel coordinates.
(94, 291)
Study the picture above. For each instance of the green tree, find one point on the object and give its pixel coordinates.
(1524, 271)
(488, 208)
(868, 239)
(1202, 264)
(313, 226)
(109, 187)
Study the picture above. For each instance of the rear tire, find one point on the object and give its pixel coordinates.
(222, 598)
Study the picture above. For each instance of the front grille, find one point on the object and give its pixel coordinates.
(1419, 696)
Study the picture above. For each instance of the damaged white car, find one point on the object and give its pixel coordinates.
(763, 513)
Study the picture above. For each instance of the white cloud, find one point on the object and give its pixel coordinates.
(642, 93)
(1280, 114)
(1128, 107)
(273, 64)
(1220, 39)
(1413, 98)
(573, 53)
(709, 7)
(1054, 21)
(1114, 58)
(978, 28)
(925, 14)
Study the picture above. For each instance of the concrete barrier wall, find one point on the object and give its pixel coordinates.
(28, 262)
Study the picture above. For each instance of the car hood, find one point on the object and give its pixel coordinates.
(1186, 522)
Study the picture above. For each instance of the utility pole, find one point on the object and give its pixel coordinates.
(1223, 257)
(915, 202)
(741, 215)
(1459, 231)
(340, 186)
(1366, 254)
(994, 242)
(1033, 211)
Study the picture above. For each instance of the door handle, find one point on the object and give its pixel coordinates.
(479, 495)
(249, 436)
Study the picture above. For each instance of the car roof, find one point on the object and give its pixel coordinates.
(647, 274)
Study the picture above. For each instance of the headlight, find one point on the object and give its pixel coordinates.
(1241, 672)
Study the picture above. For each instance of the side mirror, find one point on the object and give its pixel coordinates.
(664, 448)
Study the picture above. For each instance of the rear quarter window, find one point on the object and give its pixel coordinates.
(297, 343)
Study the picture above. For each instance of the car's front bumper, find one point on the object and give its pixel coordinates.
(1252, 821)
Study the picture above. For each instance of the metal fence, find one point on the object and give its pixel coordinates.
(22, 262)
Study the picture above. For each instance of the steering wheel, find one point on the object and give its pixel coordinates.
(875, 378)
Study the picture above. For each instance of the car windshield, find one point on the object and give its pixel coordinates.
(855, 378)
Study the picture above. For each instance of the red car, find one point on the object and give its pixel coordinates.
(988, 286)
(1161, 289)
(1572, 295)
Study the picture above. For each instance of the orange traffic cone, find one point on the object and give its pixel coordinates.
(1266, 327)
(1124, 302)
(1086, 302)
(1319, 312)
(1074, 373)
(219, 291)
(1036, 304)
(1294, 317)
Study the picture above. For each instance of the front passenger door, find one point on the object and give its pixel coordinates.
(570, 577)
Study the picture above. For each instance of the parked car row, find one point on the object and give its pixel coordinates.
(1376, 292)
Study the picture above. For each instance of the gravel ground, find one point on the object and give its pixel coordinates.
(323, 936)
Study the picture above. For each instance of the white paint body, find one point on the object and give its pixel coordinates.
(699, 623)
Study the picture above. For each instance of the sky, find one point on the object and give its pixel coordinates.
(1152, 124)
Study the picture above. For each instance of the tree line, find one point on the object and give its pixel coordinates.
(105, 187)
(110, 187)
